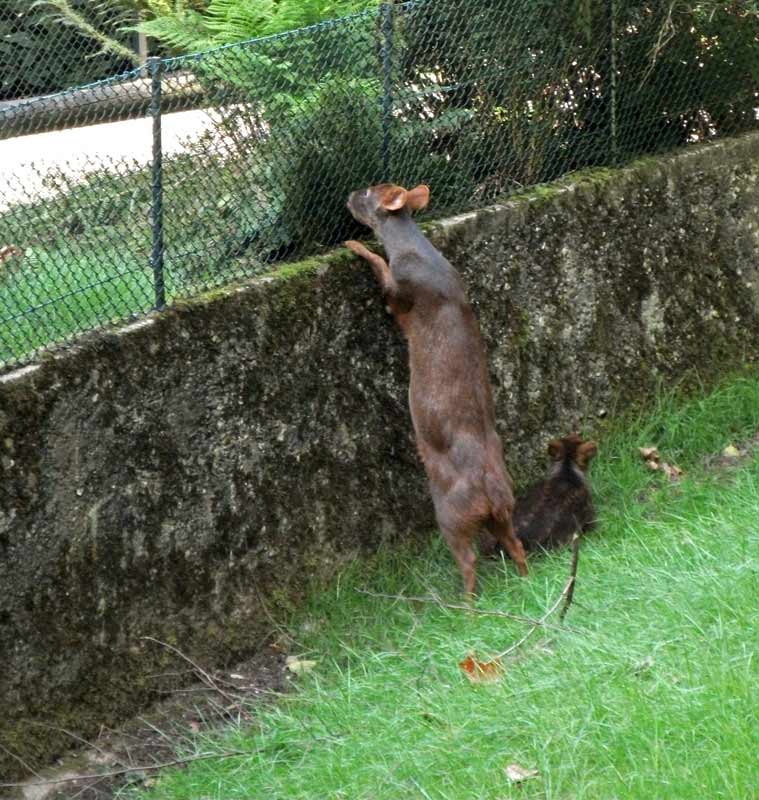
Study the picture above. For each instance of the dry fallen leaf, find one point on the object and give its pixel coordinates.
(517, 774)
(672, 471)
(482, 671)
(653, 461)
(731, 451)
(650, 454)
(299, 666)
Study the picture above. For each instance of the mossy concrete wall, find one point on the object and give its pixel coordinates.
(186, 476)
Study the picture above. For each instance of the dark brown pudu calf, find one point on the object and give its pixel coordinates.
(449, 390)
(550, 512)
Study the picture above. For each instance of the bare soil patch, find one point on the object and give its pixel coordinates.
(173, 725)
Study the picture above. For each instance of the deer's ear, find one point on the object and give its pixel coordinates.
(418, 197)
(393, 198)
(585, 452)
(556, 449)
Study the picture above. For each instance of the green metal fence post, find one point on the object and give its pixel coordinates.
(155, 66)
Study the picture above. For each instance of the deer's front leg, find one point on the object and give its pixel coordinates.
(398, 303)
(379, 266)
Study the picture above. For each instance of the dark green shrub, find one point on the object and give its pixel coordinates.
(508, 94)
(303, 118)
(39, 54)
(688, 71)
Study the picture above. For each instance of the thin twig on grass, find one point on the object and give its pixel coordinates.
(140, 768)
(566, 595)
(572, 577)
(176, 674)
(434, 600)
(84, 788)
(161, 734)
(255, 691)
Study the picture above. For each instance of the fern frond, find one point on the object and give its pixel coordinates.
(65, 13)
(179, 24)
(235, 21)
(186, 32)
(292, 14)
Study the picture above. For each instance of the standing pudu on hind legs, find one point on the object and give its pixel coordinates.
(449, 389)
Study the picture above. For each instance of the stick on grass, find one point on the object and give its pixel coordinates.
(566, 595)
(570, 592)
(434, 600)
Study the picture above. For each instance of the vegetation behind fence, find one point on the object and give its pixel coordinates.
(479, 99)
(50, 45)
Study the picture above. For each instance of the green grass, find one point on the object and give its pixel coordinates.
(87, 249)
(652, 691)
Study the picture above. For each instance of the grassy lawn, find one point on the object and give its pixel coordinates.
(87, 249)
(650, 690)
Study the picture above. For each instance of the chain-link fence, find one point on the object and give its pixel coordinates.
(199, 170)
(50, 45)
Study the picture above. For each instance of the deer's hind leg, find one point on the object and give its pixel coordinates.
(510, 542)
(460, 543)
(460, 518)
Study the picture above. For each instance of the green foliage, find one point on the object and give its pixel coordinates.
(101, 22)
(190, 27)
(699, 71)
(550, 94)
(518, 108)
(334, 118)
(306, 130)
(49, 46)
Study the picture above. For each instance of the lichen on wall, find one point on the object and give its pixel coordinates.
(185, 477)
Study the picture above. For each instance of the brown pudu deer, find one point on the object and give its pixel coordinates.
(449, 391)
(551, 511)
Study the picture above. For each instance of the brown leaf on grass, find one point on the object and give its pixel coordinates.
(653, 461)
(650, 455)
(482, 671)
(517, 774)
(672, 471)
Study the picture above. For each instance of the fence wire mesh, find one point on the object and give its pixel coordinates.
(165, 181)
(51, 45)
